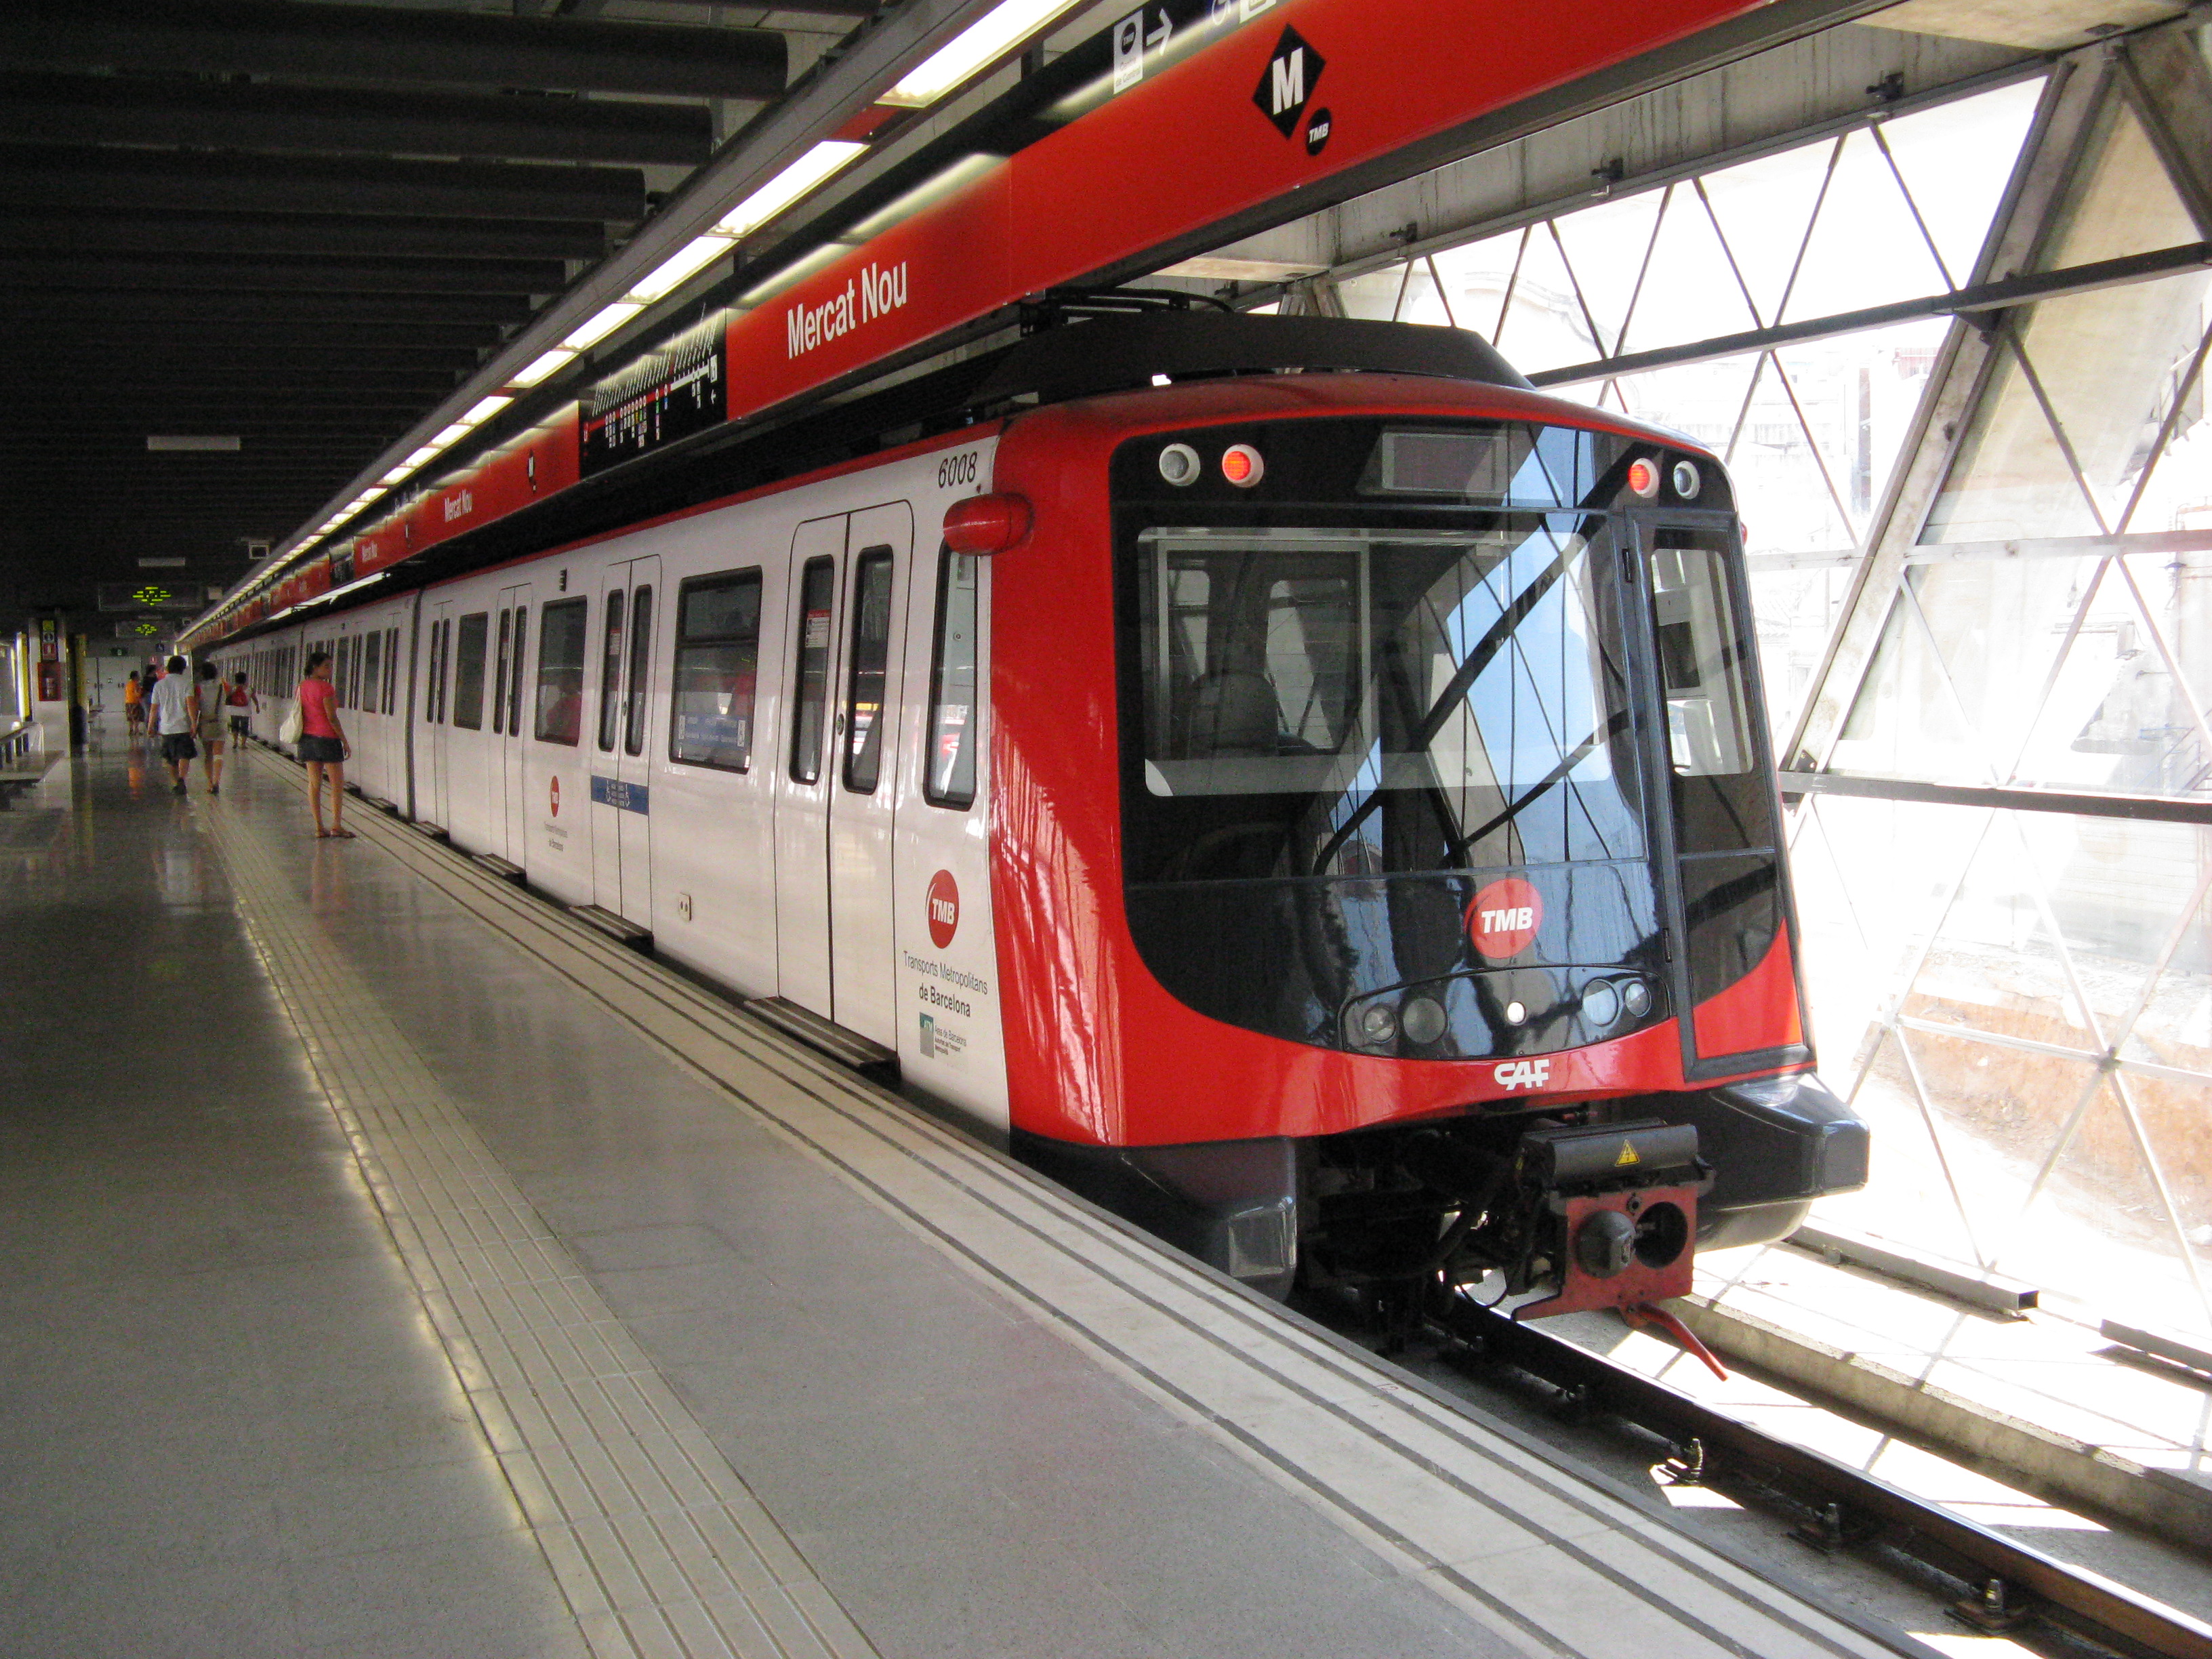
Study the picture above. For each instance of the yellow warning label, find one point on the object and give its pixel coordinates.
(1627, 1157)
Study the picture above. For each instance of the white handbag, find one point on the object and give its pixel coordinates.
(288, 733)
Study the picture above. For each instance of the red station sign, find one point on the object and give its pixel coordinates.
(1286, 95)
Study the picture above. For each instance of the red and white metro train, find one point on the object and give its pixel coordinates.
(1298, 786)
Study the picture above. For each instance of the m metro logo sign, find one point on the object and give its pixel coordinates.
(1288, 81)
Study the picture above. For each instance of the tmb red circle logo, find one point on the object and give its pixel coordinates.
(944, 909)
(557, 798)
(1504, 919)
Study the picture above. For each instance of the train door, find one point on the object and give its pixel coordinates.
(509, 707)
(864, 739)
(802, 785)
(834, 810)
(622, 803)
(1716, 825)
(437, 806)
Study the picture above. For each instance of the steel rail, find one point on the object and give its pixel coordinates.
(2007, 1578)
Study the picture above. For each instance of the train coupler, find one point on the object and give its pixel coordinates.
(1620, 1219)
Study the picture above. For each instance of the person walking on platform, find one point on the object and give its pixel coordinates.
(243, 705)
(323, 745)
(134, 703)
(210, 720)
(174, 721)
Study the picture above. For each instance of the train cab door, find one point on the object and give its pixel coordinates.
(1717, 831)
(509, 708)
(864, 790)
(622, 801)
(437, 804)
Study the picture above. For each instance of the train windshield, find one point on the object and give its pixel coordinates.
(1358, 702)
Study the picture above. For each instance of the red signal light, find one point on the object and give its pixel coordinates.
(1643, 478)
(986, 523)
(1242, 466)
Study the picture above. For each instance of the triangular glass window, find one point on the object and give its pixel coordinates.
(2100, 1219)
(1476, 277)
(1690, 290)
(2112, 364)
(2120, 201)
(1763, 209)
(1998, 624)
(1372, 295)
(1956, 160)
(1607, 247)
(1903, 722)
(1782, 488)
(1859, 393)
(1865, 249)
(2010, 478)
(1545, 324)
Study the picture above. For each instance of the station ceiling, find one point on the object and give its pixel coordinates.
(299, 224)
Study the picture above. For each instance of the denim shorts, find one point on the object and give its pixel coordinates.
(329, 751)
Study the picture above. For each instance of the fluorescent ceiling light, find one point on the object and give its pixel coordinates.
(981, 44)
(399, 474)
(788, 185)
(591, 332)
(542, 366)
(428, 452)
(681, 267)
(1217, 268)
(452, 434)
(484, 409)
(191, 443)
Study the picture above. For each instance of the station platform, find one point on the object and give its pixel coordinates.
(392, 1265)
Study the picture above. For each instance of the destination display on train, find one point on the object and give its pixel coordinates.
(674, 390)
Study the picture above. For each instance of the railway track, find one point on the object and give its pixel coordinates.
(2006, 1587)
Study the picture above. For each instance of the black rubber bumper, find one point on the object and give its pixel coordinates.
(1774, 1145)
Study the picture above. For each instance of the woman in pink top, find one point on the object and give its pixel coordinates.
(323, 745)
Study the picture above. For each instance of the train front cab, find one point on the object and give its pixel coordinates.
(1448, 856)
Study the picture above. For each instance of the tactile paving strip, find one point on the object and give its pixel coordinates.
(659, 1547)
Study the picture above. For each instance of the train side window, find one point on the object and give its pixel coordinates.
(372, 669)
(470, 647)
(431, 712)
(818, 584)
(864, 682)
(611, 664)
(710, 715)
(949, 777)
(499, 674)
(344, 668)
(391, 669)
(1707, 730)
(561, 630)
(641, 663)
(521, 656)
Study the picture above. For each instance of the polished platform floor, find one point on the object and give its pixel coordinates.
(388, 1265)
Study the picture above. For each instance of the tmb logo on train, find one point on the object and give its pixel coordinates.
(1504, 919)
(944, 903)
(1288, 82)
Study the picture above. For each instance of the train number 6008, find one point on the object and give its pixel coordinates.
(955, 470)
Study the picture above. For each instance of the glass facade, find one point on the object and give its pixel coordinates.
(2012, 511)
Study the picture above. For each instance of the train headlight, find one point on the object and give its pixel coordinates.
(1180, 466)
(1688, 480)
(1242, 466)
(1423, 1020)
(1516, 1013)
(1600, 1004)
(1636, 997)
(1374, 1026)
(1643, 478)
